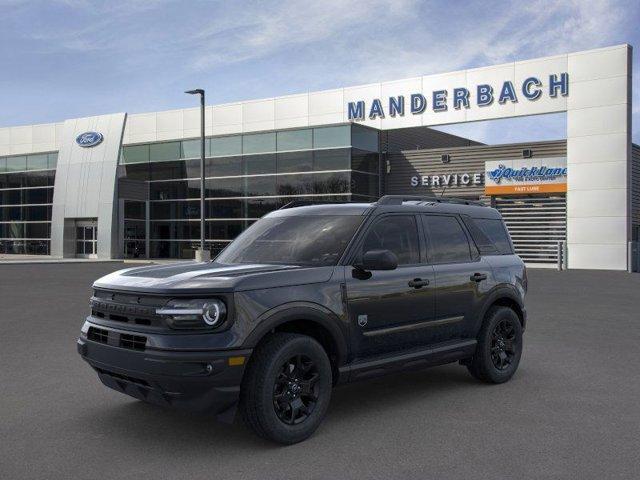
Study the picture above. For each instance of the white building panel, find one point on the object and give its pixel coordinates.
(597, 175)
(611, 91)
(597, 148)
(599, 63)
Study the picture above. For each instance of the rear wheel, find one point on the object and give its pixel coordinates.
(499, 346)
(287, 388)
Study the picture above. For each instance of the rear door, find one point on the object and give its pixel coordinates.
(388, 309)
(461, 275)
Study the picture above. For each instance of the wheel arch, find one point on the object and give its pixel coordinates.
(314, 320)
(505, 297)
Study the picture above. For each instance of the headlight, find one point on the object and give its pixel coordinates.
(194, 313)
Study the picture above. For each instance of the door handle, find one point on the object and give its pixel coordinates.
(418, 283)
(478, 277)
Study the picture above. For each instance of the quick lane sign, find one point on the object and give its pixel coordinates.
(544, 175)
(482, 95)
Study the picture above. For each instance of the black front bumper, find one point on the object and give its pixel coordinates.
(203, 381)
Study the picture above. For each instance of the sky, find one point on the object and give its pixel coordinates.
(73, 58)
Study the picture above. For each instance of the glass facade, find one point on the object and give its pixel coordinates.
(26, 196)
(247, 176)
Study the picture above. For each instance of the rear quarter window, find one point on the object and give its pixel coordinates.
(496, 232)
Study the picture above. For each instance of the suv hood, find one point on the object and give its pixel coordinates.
(194, 277)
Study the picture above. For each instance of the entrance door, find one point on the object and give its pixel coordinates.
(87, 239)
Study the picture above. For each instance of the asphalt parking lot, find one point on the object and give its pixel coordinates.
(571, 411)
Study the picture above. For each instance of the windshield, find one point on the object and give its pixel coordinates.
(315, 240)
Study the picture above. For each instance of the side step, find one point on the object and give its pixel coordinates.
(438, 354)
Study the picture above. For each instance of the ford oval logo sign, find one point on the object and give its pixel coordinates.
(89, 139)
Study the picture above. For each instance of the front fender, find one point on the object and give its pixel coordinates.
(307, 311)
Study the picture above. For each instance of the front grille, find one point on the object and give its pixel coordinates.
(98, 335)
(133, 342)
(128, 308)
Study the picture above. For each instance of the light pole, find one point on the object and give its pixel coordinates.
(202, 255)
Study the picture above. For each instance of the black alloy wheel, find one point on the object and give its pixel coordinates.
(296, 390)
(502, 344)
(286, 388)
(499, 346)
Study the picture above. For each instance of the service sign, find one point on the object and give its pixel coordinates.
(523, 176)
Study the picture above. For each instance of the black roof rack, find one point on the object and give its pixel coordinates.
(400, 199)
(306, 203)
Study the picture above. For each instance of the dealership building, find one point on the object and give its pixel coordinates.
(127, 185)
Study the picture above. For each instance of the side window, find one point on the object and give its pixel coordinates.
(447, 241)
(497, 233)
(397, 233)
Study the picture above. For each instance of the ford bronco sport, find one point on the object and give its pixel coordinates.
(309, 297)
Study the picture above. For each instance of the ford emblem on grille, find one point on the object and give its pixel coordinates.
(89, 139)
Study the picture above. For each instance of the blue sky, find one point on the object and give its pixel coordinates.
(73, 58)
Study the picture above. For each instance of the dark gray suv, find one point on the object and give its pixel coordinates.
(309, 297)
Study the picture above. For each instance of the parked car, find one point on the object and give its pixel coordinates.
(310, 297)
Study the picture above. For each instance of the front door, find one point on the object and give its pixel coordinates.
(87, 239)
(389, 309)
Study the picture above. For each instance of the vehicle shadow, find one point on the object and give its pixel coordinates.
(137, 422)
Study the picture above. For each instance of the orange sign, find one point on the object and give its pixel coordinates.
(511, 189)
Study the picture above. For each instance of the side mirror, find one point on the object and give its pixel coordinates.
(379, 260)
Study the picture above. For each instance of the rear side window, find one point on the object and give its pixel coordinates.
(495, 230)
(398, 233)
(447, 241)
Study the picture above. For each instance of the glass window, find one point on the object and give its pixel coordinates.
(261, 186)
(225, 187)
(162, 152)
(224, 146)
(295, 162)
(327, 137)
(180, 189)
(259, 143)
(329, 183)
(37, 162)
(16, 164)
(225, 230)
(364, 138)
(314, 240)
(364, 184)
(180, 210)
(135, 154)
(364, 161)
(139, 171)
(191, 148)
(296, 184)
(259, 207)
(225, 209)
(178, 169)
(3, 164)
(497, 233)
(295, 140)
(447, 241)
(133, 209)
(52, 160)
(339, 159)
(223, 166)
(398, 234)
(257, 164)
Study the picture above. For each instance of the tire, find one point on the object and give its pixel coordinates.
(286, 390)
(499, 348)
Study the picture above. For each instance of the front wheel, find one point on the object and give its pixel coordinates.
(286, 390)
(499, 346)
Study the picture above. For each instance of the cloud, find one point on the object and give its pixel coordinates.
(256, 49)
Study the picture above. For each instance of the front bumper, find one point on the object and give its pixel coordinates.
(193, 380)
